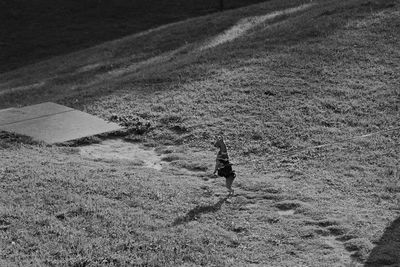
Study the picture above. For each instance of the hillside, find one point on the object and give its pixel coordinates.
(40, 29)
(276, 79)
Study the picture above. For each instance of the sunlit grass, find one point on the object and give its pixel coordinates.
(313, 77)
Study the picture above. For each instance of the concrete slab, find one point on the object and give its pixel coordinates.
(53, 123)
(13, 115)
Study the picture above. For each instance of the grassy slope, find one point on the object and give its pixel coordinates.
(39, 29)
(319, 75)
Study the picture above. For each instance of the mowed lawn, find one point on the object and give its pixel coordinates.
(276, 79)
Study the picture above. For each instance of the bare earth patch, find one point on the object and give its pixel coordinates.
(245, 25)
(119, 150)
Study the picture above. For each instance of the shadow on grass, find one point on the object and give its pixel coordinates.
(387, 250)
(56, 27)
(197, 211)
(173, 60)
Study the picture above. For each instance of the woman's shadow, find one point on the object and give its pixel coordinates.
(195, 213)
(387, 250)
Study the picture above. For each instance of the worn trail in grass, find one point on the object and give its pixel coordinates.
(82, 204)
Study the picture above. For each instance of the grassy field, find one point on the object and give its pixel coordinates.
(35, 30)
(275, 77)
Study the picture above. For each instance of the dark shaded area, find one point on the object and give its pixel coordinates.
(197, 211)
(7, 140)
(387, 250)
(38, 29)
(312, 28)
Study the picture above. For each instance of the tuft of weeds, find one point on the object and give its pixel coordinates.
(192, 165)
(328, 222)
(337, 230)
(360, 246)
(173, 157)
(133, 124)
(171, 119)
(83, 141)
(290, 204)
(9, 140)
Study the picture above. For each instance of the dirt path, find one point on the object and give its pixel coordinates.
(245, 25)
(280, 208)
